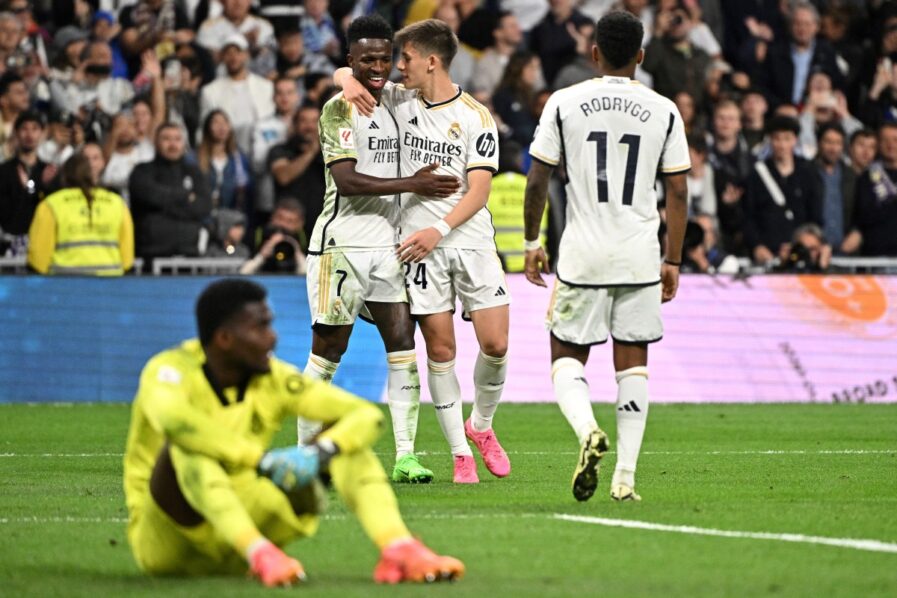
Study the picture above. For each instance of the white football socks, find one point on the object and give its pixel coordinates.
(446, 394)
(489, 380)
(319, 369)
(572, 393)
(632, 413)
(403, 397)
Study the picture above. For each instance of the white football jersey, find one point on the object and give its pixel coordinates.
(359, 221)
(460, 135)
(615, 137)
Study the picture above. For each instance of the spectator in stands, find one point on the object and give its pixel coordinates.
(11, 35)
(699, 33)
(862, 150)
(294, 61)
(732, 161)
(123, 153)
(824, 106)
(464, 62)
(94, 154)
(838, 184)
(103, 27)
(701, 251)
(753, 118)
(68, 43)
(318, 89)
(782, 193)
(506, 39)
(236, 20)
(244, 96)
(226, 234)
(24, 178)
(513, 100)
(807, 252)
(298, 167)
(881, 101)
(13, 102)
(875, 212)
(267, 133)
(57, 146)
(673, 61)
(319, 29)
(98, 95)
(701, 179)
(81, 229)
(552, 41)
(183, 79)
(788, 65)
(851, 56)
(690, 118)
(281, 250)
(226, 168)
(580, 68)
(475, 24)
(153, 24)
(170, 200)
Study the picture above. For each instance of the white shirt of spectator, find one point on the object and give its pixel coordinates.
(460, 135)
(213, 32)
(615, 135)
(244, 101)
(119, 167)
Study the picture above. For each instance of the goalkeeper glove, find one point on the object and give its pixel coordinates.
(291, 468)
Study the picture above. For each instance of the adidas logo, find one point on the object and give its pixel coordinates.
(374, 125)
(631, 406)
(500, 292)
(413, 121)
(446, 406)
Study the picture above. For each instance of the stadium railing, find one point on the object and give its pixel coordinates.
(175, 266)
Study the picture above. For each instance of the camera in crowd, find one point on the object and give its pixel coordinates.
(283, 255)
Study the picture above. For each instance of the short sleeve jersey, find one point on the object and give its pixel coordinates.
(359, 221)
(459, 135)
(615, 137)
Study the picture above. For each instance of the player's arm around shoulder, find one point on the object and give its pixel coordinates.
(356, 423)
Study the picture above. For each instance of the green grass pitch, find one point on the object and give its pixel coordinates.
(831, 471)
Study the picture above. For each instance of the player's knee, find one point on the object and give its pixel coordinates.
(398, 340)
(441, 352)
(495, 347)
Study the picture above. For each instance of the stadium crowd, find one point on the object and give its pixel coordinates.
(202, 115)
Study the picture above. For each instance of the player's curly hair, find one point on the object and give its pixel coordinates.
(619, 37)
(430, 36)
(222, 300)
(369, 27)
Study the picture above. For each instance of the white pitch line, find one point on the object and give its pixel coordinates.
(334, 517)
(771, 452)
(856, 544)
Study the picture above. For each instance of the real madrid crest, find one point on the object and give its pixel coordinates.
(454, 132)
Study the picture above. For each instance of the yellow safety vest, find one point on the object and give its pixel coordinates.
(506, 206)
(87, 243)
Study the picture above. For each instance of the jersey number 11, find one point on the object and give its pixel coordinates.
(633, 141)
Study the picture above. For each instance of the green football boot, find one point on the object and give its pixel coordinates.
(408, 470)
(585, 477)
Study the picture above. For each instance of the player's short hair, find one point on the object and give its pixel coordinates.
(619, 37)
(221, 301)
(290, 204)
(369, 27)
(430, 36)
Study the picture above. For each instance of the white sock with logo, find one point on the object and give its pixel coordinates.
(446, 393)
(319, 369)
(571, 390)
(489, 380)
(403, 397)
(632, 414)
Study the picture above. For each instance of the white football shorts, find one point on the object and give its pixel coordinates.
(339, 283)
(587, 316)
(474, 276)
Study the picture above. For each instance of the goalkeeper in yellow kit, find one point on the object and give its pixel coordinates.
(204, 493)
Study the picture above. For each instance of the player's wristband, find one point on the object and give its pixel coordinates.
(443, 227)
(531, 245)
(672, 263)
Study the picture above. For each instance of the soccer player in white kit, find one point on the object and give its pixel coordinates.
(448, 244)
(352, 265)
(614, 137)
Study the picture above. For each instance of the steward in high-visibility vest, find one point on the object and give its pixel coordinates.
(73, 235)
(506, 206)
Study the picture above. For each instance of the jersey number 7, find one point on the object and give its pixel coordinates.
(633, 141)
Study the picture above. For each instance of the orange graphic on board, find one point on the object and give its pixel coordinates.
(859, 298)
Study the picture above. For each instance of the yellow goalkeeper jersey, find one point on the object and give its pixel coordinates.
(176, 402)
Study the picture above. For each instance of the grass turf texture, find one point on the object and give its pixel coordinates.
(61, 528)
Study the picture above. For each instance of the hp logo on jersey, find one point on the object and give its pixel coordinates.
(486, 145)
